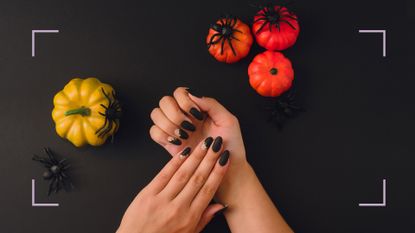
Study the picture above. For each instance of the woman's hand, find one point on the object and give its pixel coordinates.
(179, 122)
(177, 199)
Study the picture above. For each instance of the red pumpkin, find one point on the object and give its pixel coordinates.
(275, 28)
(270, 73)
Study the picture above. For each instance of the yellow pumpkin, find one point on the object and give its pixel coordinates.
(86, 112)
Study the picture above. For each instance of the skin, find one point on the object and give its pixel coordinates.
(177, 199)
(250, 208)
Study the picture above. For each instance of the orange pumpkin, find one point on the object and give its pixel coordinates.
(229, 40)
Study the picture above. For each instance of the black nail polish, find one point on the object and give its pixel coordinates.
(224, 157)
(188, 126)
(196, 113)
(186, 151)
(182, 134)
(217, 144)
(194, 93)
(208, 141)
(221, 210)
(174, 141)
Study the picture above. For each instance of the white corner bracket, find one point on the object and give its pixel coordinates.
(34, 204)
(34, 35)
(383, 32)
(383, 204)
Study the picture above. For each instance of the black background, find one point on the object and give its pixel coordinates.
(358, 128)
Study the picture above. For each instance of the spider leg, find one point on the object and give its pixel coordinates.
(51, 185)
(259, 19)
(62, 162)
(102, 127)
(105, 107)
(107, 129)
(230, 45)
(103, 91)
(211, 41)
(216, 27)
(262, 26)
(233, 37)
(285, 21)
(221, 47)
(222, 22)
(66, 167)
(42, 160)
(102, 114)
(236, 30)
(233, 22)
(50, 155)
(290, 16)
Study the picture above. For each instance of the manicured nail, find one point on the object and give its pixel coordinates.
(188, 126)
(181, 134)
(206, 144)
(196, 113)
(217, 144)
(186, 152)
(174, 141)
(192, 92)
(221, 210)
(224, 157)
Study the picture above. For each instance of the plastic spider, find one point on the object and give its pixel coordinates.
(282, 108)
(274, 16)
(112, 115)
(225, 29)
(56, 171)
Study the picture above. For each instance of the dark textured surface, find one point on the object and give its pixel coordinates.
(358, 129)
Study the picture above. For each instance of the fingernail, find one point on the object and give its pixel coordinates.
(186, 152)
(196, 113)
(221, 210)
(192, 92)
(206, 144)
(224, 157)
(217, 144)
(174, 141)
(181, 134)
(187, 125)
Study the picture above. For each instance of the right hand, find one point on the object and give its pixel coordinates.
(173, 111)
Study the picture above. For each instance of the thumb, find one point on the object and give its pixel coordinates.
(216, 111)
(208, 214)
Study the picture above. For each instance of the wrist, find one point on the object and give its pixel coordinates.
(234, 183)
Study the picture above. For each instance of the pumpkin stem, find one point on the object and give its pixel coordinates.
(273, 71)
(83, 111)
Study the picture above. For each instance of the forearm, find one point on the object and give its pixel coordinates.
(250, 208)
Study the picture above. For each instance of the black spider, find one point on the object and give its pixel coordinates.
(283, 107)
(56, 172)
(112, 115)
(225, 29)
(274, 16)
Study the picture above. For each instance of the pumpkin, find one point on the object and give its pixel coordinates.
(270, 73)
(229, 39)
(86, 112)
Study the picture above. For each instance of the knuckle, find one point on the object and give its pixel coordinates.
(181, 176)
(198, 180)
(233, 119)
(154, 113)
(208, 190)
(164, 100)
